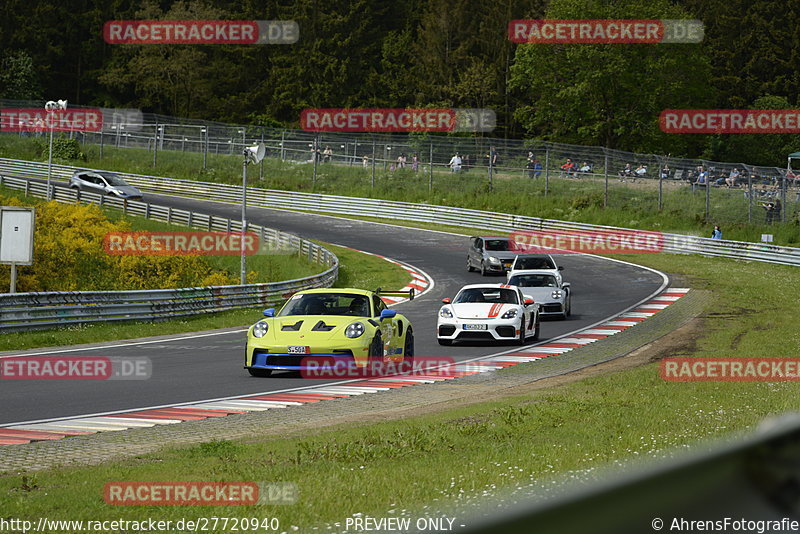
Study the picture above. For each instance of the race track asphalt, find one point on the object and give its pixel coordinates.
(193, 368)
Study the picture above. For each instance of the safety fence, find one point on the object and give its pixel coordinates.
(32, 311)
(407, 211)
(720, 192)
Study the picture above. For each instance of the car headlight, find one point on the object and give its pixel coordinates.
(354, 330)
(446, 313)
(510, 314)
(557, 294)
(493, 259)
(260, 329)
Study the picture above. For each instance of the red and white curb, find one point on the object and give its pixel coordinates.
(420, 281)
(53, 430)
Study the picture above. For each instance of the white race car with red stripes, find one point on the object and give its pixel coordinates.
(494, 312)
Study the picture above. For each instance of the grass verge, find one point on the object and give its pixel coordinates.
(468, 453)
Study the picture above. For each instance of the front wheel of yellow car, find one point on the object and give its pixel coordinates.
(263, 373)
(376, 349)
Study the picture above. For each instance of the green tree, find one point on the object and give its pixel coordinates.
(18, 78)
(174, 79)
(611, 94)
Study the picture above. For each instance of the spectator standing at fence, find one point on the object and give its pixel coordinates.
(717, 233)
(415, 163)
(732, 177)
(529, 164)
(327, 154)
(365, 161)
(401, 161)
(627, 172)
(455, 163)
(585, 168)
(665, 172)
(568, 167)
(537, 168)
(466, 162)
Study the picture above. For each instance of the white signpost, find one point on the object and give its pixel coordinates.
(16, 238)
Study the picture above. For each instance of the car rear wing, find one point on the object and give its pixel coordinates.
(400, 294)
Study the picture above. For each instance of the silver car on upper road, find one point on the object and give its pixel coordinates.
(104, 183)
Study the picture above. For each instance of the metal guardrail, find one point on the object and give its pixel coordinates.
(32, 311)
(387, 209)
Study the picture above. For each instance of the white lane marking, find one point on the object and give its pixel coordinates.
(60, 351)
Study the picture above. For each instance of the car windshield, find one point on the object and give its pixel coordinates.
(497, 244)
(113, 179)
(534, 262)
(533, 280)
(327, 304)
(487, 294)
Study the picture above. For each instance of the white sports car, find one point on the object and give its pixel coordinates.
(553, 296)
(494, 312)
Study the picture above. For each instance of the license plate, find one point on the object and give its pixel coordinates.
(474, 327)
(297, 350)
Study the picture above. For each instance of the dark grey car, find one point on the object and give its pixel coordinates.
(104, 183)
(489, 255)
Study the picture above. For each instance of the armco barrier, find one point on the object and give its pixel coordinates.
(386, 209)
(31, 311)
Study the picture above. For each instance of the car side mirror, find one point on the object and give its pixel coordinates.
(528, 301)
(445, 301)
(388, 314)
(560, 267)
(269, 312)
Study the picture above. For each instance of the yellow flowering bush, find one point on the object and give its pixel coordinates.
(69, 256)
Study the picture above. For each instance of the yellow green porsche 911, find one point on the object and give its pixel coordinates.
(350, 325)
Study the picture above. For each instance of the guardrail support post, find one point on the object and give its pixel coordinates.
(101, 143)
(660, 185)
(169, 215)
(749, 197)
